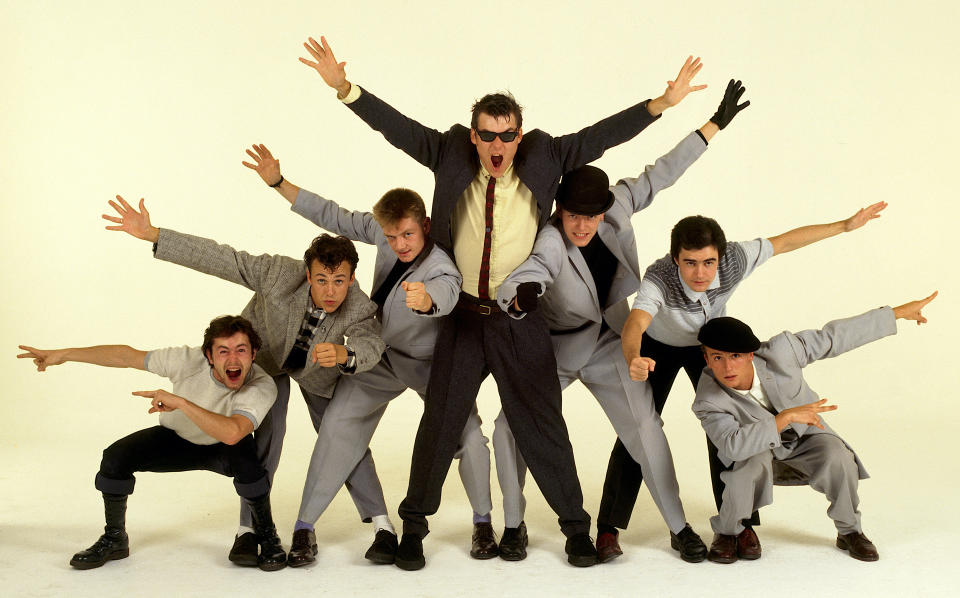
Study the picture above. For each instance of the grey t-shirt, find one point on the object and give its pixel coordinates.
(678, 311)
(193, 380)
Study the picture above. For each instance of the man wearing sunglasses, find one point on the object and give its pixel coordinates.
(491, 196)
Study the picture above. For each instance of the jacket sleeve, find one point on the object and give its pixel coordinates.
(735, 440)
(840, 336)
(576, 149)
(443, 282)
(421, 143)
(328, 215)
(638, 192)
(542, 266)
(363, 337)
(258, 273)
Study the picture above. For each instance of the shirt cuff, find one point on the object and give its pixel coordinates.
(702, 138)
(351, 365)
(352, 95)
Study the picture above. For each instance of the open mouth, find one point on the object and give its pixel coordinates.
(233, 374)
(496, 160)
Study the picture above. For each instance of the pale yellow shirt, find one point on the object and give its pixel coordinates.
(514, 229)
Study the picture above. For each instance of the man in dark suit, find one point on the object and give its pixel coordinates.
(491, 195)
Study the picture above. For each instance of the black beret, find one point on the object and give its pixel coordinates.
(728, 334)
(586, 191)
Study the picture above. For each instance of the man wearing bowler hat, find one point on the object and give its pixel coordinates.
(757, 409)
(587, 259)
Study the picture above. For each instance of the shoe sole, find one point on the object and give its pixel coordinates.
(513, 557)
(748, 557)
(690, 559)
(724, 561)
(410, 565)
(113, 556)
(582, 561)
(380, 559)
(846, 548)
(272, 566)
(483, 556)
(609, 557)
(243, 561)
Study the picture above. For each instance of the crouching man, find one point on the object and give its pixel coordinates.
(219, 397)
(757, 409)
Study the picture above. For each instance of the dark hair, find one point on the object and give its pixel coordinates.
(697, 232)
(397, 204)
(227, 326)
(497, 105)
(331, 252)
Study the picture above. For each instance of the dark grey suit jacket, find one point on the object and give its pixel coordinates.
(281, 296)
(540, 161)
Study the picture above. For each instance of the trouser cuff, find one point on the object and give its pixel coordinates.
(112, 486)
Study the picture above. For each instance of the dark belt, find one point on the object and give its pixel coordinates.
(484, 307)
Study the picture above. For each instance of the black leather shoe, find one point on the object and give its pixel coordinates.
(859, 546)
(608, 547)
(272, 555)
(723, 549)
(513, 544)
(483, 544)
(303, 549)
(580, 551)
(689, 545)
(111, 546)
(244, 550)
(410, 553)
(383, 551)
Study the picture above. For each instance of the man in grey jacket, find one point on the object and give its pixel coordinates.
(764, 419)
(414, 283)
(304, 310)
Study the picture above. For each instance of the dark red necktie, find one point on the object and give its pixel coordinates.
(483, 287)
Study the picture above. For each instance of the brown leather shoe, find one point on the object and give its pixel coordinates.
(723, 549)
(858, 545)
(484, 542)
(607, 547)
(748, 544)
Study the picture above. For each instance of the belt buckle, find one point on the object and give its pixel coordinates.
(483, 310)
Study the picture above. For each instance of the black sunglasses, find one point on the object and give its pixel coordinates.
(505, 136)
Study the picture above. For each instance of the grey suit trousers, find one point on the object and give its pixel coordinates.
(629, 407)
(823, 458)
(349, 423)
(362, 483)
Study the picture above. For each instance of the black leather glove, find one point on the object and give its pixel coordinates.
(527, 296)
(728, 106)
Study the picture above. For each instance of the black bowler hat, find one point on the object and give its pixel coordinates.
(585, 191)
(728, 334)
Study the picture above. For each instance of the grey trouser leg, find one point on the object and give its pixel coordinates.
(630, 409)
(748, 485)
(832, 470)
(358, 404)
(269, 438)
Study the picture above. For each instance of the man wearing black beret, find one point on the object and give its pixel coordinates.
(764, 420)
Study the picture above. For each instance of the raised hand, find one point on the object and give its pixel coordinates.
(804, 414)
(728, 105)
(265, 164)
(325, 63)
(41, 358)
(131, 221)
(418, 298)
(680, 87)
(161, 401)
(907, 311)
(641, 367)
(863, 216)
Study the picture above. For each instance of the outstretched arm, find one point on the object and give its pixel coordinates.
(325, 63)
(805, 235)
(134, 223)
(111, 356)
(227, 429)
(911, 310)
(678, 88)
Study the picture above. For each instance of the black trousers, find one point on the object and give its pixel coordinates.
(471, 345)
(159, 449)
(624, 475)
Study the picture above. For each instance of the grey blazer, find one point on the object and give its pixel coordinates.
(571, 298)
(409, 335)
(740, 427)
(280, 300)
